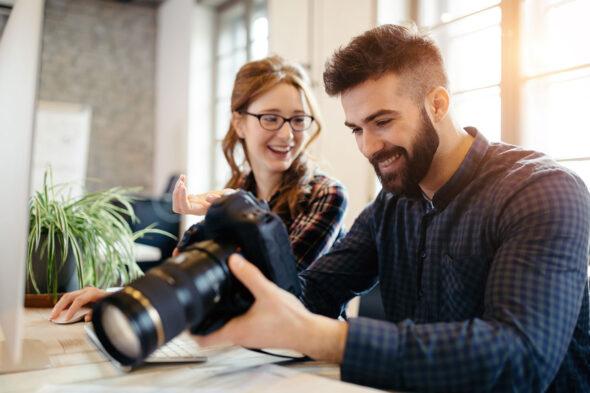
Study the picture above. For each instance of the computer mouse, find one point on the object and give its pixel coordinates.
(77, 317)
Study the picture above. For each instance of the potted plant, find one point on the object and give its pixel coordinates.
(74, 242)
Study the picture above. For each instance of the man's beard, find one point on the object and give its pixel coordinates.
(405, 180)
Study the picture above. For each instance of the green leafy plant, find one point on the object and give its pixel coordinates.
(92, 227)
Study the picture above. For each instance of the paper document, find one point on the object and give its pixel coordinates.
(267, 378)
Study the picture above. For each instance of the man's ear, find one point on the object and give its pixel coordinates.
(437, 103)
(237, 121)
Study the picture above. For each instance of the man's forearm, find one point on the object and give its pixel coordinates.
(324, 339)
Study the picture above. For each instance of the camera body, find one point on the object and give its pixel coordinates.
(196, 289)
(260, 236)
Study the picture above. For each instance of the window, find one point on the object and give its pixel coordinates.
(519, 70)
(242, 36)
(556, 80)
(469, 35)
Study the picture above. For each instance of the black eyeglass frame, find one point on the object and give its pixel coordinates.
(284, 120)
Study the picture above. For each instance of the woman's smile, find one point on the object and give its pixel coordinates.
(280, 151)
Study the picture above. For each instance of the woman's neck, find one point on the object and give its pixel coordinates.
(266, 184)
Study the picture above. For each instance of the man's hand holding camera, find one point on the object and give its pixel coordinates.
(277, 319)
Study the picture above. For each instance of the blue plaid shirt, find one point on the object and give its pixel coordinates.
(485, 287)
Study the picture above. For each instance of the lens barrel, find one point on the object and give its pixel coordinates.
(167, 300)
(195, 289)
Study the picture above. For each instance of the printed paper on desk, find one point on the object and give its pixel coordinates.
(263, 379)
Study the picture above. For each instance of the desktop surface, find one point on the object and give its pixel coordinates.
(75, 361)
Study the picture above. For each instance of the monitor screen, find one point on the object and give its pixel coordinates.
(20, 45)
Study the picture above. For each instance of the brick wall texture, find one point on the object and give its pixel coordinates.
(102, 54)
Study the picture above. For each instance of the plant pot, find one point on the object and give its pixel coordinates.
(67, 279)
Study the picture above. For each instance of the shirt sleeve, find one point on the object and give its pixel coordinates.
(532, 301)
(314, 231)
(347, 270)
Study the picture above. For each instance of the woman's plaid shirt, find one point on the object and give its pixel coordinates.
(318, 225)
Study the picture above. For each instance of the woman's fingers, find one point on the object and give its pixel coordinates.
(197, 205)
(182, 198)
(176, 196)
(75, 306)
(179, 181)
(63, 302)
(198, 200)
(180, 202)
(183, 203)
(73, 301)
(211, 197)
(214, 195)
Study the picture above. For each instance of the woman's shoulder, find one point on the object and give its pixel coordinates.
(322, 185)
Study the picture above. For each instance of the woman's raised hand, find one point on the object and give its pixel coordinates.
(183, 203)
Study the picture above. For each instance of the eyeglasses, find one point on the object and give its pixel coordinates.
(272, 122)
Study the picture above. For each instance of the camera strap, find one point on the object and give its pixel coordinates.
(294, 359)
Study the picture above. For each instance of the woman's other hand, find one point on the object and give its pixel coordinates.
(183, 203)
(73, 301)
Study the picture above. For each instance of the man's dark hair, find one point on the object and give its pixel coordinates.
(384, 49)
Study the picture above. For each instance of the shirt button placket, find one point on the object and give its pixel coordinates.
(422, 248)
(423, 257)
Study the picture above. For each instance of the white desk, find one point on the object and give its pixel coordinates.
(74, 360)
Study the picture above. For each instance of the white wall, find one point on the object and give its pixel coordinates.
(199, 142)
(309, 31)
(184, 61)
(172, 90)
(183, 93)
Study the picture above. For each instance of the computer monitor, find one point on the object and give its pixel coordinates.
(20, 46)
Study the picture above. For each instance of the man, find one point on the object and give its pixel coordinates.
(481, 249)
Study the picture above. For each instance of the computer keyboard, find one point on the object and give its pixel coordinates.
(179, 350)
(182, 349)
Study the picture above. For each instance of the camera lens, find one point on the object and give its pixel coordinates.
(121, 332)
(135, 321)
(195, 289)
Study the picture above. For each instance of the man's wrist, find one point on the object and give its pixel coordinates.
(326, 338)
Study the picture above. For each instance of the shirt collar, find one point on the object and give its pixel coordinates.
(249, 184)
(466, 171)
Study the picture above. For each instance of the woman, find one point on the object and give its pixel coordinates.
(273, 112)
(274, 121)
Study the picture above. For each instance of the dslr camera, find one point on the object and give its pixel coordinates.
(196, 289)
